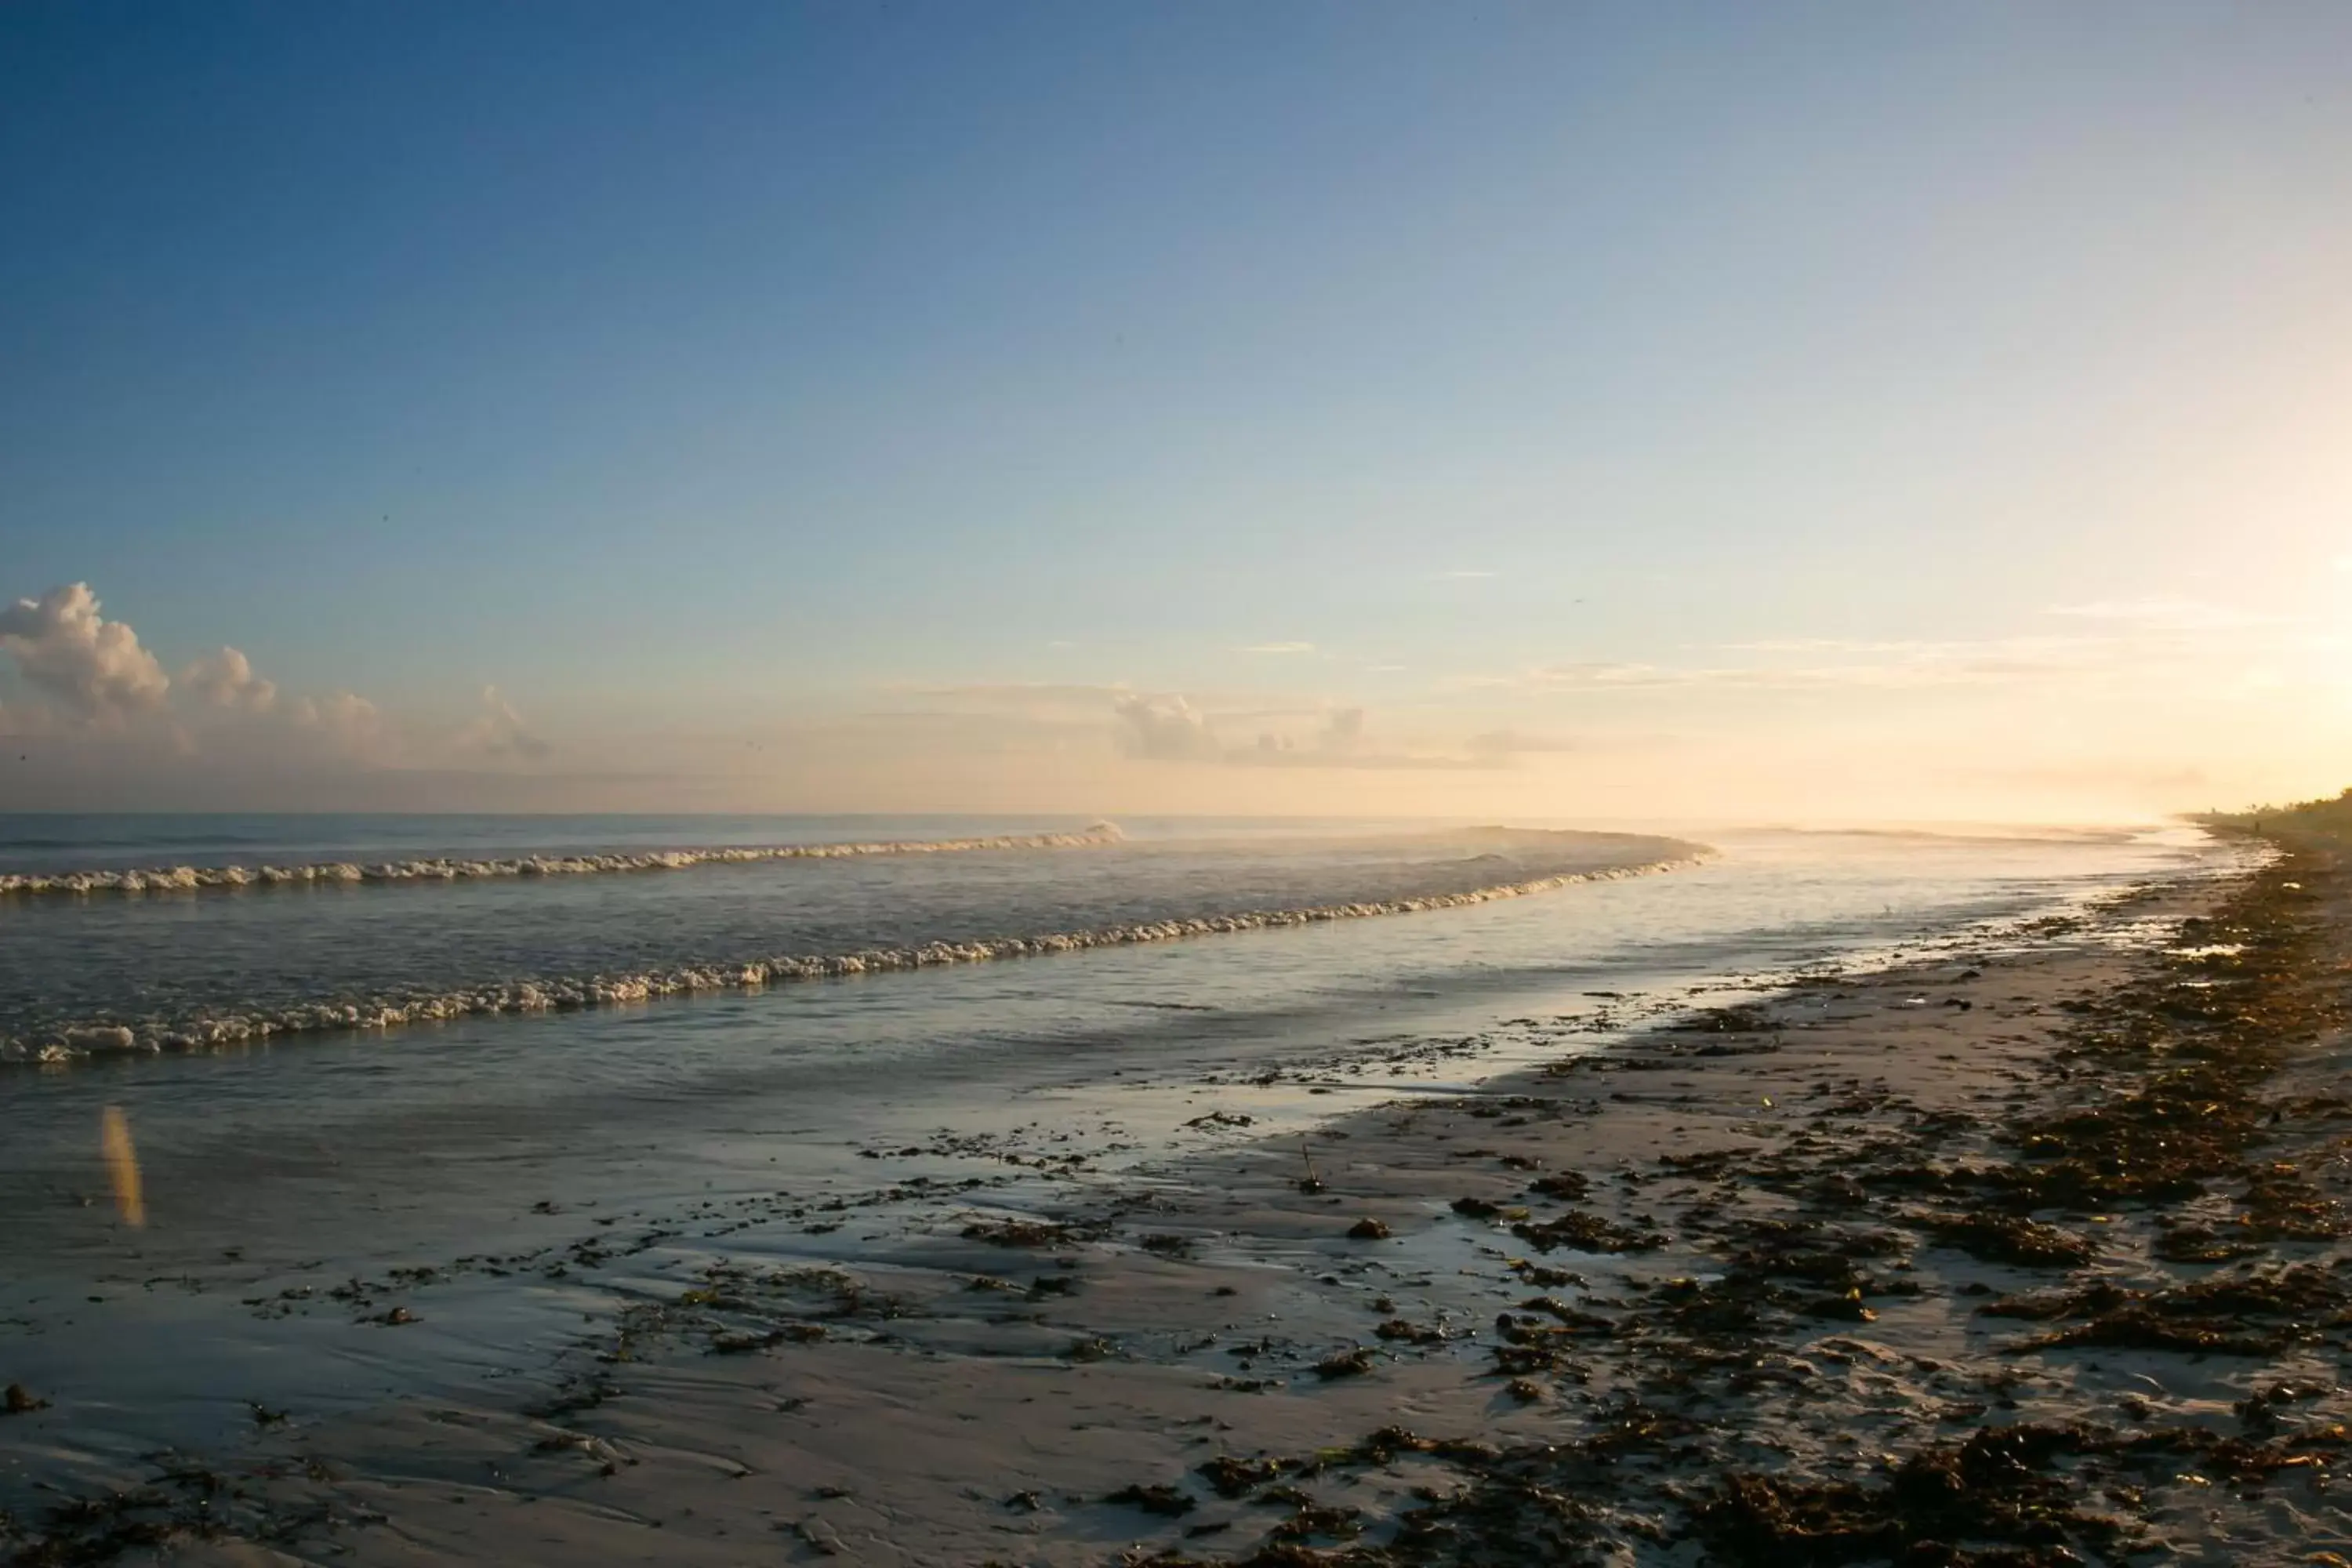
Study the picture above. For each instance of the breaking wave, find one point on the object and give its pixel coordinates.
(205, 1031)
(195, 878)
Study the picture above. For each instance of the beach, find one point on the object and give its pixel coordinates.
(1207, 785)
(1883, 1265)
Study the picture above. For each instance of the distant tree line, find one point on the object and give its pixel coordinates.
(2330, 817)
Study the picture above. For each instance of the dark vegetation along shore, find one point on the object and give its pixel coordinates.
(2031, 1255)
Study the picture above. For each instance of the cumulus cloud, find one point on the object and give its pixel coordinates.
(106, 714)
(1338, 740)
(497, 729)
(67, 651)
(1165, 729)
(226, 680)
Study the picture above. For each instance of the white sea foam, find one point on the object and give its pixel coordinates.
(194, 878)
(72, 1042)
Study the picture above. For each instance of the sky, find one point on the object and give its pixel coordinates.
(1821, 411)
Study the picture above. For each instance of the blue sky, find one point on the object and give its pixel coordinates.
(930, 399)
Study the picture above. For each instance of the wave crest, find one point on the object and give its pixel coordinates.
(72, 1042)
(197, 879)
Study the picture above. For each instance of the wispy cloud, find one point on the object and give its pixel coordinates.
(1464, 574)
(1040, 702)
(352, 727)
(1604, 675)
(986, 693)
(1610, 674)
(1278, 648)
(2161, 612)
(1231, 728)
(1923, 666)
(497, 730)
(2107, 641)
(1517, 743)
(1170, 728)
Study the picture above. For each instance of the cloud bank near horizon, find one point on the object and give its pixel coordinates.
(99, 700)
(2045, 723)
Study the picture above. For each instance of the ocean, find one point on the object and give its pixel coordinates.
(343, 1048)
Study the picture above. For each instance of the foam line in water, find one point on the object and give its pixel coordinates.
(196, 879)
(575, 994)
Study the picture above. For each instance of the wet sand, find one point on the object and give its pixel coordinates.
(1718, 1293)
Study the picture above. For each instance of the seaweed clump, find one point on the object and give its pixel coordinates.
(2008, 1239)
(1990, 1499)
(1583, 1231)
(1025, 1233)
(2254, 1314)
(1166, 1501)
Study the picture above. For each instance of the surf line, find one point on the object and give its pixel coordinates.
(349, 873)
(570, 994)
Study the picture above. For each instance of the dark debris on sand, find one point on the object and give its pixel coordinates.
(1692, 1424)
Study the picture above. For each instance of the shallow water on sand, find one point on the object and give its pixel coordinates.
(274, 1173)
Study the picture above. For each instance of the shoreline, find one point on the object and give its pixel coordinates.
(1633, 1264)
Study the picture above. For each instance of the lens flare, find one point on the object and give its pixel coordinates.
(122, 1167)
